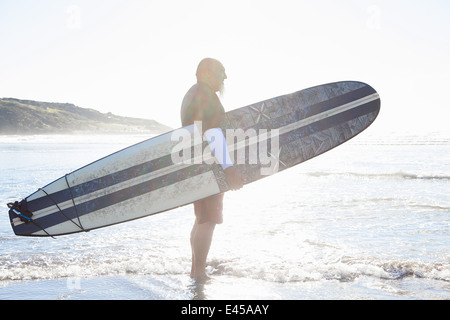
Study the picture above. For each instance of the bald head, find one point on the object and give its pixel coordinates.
(212, 73)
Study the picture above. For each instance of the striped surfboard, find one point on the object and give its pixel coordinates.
(144, 179)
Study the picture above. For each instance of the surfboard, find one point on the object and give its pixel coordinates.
(177, 168)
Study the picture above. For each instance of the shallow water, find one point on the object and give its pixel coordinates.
(367, 220)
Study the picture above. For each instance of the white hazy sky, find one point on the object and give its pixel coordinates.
(138, 58)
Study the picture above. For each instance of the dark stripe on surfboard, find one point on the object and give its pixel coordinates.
(112, 198)
(335, 102)
(100, 183)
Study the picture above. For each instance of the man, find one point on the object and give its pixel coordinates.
(202, 104)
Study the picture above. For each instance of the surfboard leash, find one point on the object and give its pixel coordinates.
(73, 201)
(26, 216)
(61, 211)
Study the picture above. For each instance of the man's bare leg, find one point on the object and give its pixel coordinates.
(194, 230)
(201, 238)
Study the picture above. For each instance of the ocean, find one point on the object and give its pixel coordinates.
(367, 220)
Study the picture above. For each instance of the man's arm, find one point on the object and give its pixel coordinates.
(218, 144)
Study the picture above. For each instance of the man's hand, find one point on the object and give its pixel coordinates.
(234, 178)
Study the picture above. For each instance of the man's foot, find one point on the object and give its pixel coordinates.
(200, 278)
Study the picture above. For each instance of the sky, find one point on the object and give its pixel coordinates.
(138, 58)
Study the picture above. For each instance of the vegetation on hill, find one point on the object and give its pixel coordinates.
(33, 117)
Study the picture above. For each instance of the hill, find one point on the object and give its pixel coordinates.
(33, 117)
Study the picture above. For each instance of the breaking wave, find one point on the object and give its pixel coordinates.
(392, 175)
(47, 267)
(345, 269)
